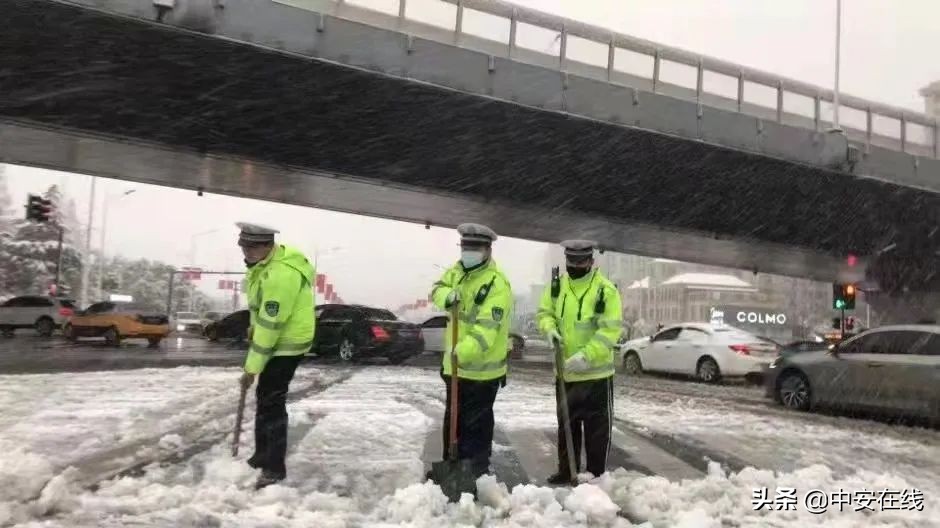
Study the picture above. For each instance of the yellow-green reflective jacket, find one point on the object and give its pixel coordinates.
(281, 303)
(485, 315)
(574, 314)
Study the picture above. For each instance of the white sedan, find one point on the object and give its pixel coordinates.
(708, 352)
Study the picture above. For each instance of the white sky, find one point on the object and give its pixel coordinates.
(889, 52)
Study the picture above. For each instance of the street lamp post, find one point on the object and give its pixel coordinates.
(104, 229)
(192, 262)
(835, 91)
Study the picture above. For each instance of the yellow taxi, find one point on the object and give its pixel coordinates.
(117, 321)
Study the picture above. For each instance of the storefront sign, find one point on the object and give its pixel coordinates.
(741, 315)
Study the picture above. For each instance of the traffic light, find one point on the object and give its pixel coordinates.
(843, 296)
(38, 209)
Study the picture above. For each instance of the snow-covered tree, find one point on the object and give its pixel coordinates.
(148, 282)
(29, 256)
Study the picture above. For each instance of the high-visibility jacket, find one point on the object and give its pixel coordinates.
(281, 303)
(587, 322)
(485, 312)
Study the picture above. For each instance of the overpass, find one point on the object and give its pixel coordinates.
(326, 104)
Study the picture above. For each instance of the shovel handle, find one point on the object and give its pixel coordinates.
(239, 414)
(454, 385)
(563, 405)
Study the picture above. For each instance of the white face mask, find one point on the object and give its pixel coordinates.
(471, 258)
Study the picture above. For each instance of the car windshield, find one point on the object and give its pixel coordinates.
(186, 315)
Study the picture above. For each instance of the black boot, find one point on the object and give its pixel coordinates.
(267, 478)
(254, 461)
(562, 477)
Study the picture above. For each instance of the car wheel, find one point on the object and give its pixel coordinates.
(347, 350)
(397, 360)
(45, 327)
(212, 333)
(69, 332)
(154, 342)
(708, 370)
(632, 366)
(793, 391)
(112, 337)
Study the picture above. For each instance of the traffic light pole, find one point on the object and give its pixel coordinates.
(842, 318)
(58, 262)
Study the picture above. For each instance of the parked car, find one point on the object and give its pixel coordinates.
(233, 326)
(804, 346)
(354, 332)
(210, 317)
(116, 322)
(187, 322)
(708, 352)
(42, 313)
(891, 368)
(433, 330)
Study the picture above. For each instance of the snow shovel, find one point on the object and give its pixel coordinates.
(565, 418)
(238, 420)
(452, 475)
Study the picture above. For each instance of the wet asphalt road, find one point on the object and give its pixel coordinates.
(27, 353)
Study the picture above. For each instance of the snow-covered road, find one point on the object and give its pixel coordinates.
(359, 448)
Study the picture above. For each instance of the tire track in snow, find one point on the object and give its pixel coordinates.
(200, 443)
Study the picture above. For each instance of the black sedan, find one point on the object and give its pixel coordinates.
(355, 332)
(233, 326)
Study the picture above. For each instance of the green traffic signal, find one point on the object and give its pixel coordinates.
(839, 304)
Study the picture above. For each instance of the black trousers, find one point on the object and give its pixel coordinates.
(475, 421)
(591, 406)
(271, 413)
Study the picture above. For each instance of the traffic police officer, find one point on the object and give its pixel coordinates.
(281, 305)
(581, 311)
(484, 302)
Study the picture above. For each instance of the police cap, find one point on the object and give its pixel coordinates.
(476, 235)
(579, 250)
(255, 234)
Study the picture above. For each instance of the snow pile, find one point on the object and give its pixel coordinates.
(22, 474)
(593, 505)
(170, 442)
(726, 500)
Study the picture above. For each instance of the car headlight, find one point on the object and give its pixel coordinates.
(180, 328)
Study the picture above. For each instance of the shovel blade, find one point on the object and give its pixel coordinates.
(455, 477)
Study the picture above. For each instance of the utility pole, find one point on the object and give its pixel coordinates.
(83, 298)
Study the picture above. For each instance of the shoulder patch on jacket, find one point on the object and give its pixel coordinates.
(272, 308)
(497, 313)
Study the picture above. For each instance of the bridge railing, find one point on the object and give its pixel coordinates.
(579, 48)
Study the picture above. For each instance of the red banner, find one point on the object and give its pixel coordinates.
(328, 295)
(321, 282)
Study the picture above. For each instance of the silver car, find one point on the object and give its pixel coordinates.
(892, 368)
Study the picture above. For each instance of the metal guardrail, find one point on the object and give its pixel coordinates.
(613, 41)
